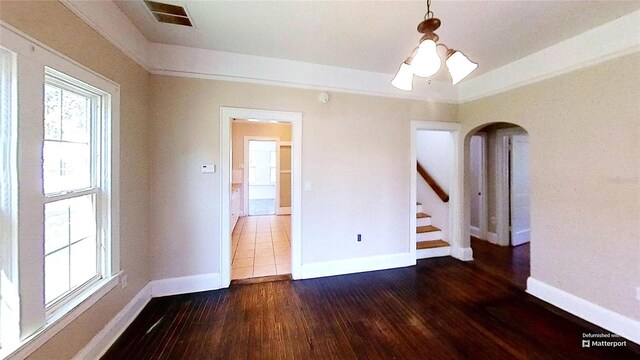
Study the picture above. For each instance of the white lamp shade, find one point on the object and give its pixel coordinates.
(459, 66)
(426, 62)
(404, 78)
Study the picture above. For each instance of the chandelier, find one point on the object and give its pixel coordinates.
(425, 61)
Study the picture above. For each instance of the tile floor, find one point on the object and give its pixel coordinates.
(261, 246)
(262, 206)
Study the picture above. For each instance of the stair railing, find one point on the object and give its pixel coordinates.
(432, 183)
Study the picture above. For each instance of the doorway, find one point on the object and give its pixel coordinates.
(519, 189)
(260, 240)
(499, 200)
(448, 134)
(479, 186)
(268, 232)
(261, 176)
(512, 186)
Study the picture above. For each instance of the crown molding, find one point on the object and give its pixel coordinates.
(613, 39)
(219, 65)
(610, 40)
(107, 19)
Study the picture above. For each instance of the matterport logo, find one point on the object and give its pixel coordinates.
(590, 340)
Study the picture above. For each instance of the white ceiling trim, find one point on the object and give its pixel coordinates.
(613, 39)
(211, 64)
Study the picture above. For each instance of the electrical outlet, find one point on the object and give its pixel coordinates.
(493, 219)
(359, 237)
(124, 280)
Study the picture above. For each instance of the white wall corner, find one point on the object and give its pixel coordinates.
(613, 39)
(106, 18)
(185, 284)
(596, 314)
(460, 253)
(102, 341)
(355, 265)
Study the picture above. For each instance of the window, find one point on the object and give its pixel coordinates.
(72, 174)
(59, 200)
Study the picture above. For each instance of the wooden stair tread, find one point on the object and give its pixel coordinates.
(431, 244)
(422, 215)
(425, 229)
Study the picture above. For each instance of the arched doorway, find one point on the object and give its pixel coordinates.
(497, 184)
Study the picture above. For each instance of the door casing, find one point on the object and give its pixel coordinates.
(227, 114)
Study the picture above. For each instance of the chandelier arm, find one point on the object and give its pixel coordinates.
(425, 61)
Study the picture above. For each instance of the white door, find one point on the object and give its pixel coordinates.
(520, 190)
(476, 155)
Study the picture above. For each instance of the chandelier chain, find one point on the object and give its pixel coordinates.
(429, 14)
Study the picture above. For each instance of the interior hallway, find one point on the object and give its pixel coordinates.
(261, 246)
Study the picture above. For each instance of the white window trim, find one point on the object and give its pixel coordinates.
(9, 329)
(100, 161)
(33, 56)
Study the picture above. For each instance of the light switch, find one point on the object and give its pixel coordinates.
(307, 186)
(208, 169)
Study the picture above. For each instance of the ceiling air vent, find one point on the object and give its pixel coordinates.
(168, 13)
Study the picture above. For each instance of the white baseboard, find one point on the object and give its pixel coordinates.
(475, 231)
(110, 333)
(350, 266)
(492, 237)
(434, 252)
(185, 284)
(464, 254)
(596, 314)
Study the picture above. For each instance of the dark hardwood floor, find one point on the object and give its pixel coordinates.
(507, 262)
(440, 309)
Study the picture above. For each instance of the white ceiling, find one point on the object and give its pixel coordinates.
(376, 35)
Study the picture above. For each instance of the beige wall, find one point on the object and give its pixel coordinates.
(355, 155)
(56, 26)
(241, 129)
(584, 164)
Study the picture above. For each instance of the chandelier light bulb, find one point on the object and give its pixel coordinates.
(426, 62)
(459, 66)
(404, 78)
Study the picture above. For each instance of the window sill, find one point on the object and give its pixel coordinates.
(62, 317)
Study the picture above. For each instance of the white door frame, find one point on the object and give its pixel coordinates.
(455, 193)
(502, 183)
(227, 114)
(483, 208)
(245, 172)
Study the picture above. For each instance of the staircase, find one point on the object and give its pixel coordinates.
(429, 241)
